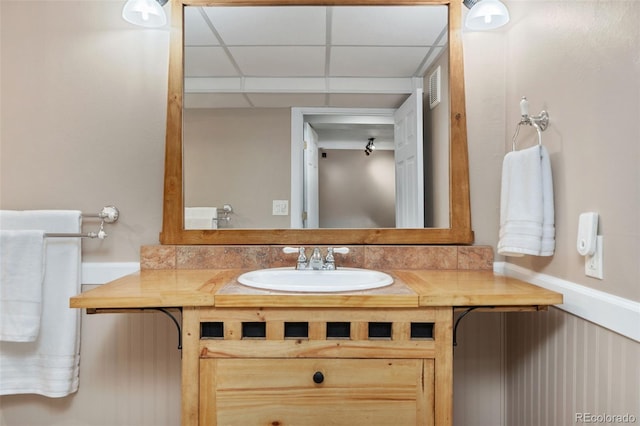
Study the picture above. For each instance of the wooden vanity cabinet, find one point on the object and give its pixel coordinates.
(332, 366)
(250, 357)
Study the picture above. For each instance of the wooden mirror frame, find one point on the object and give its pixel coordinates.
(459, 232)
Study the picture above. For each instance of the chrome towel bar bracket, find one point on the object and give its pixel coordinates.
(108, 214)
(540, 122)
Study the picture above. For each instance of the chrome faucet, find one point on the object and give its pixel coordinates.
(316, 262)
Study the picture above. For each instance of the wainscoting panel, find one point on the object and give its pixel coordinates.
(478, 371)
(562, 370)
(129, 376)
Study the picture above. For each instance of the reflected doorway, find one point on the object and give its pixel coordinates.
(338, 183)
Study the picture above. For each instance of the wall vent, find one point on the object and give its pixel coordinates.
(434, 88)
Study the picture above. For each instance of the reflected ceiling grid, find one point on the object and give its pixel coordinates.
(225, 46)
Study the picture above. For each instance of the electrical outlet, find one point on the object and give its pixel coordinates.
(280, 207)
(593, 265)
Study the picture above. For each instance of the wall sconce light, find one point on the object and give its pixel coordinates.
(145, 13)
(485, 14)
(370, 146)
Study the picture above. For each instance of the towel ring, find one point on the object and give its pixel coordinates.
(540, 122)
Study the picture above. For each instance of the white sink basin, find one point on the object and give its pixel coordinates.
(310, 281)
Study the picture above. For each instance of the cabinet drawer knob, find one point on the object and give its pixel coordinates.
(318, 377)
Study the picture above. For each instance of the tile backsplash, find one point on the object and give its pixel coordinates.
(269, 256)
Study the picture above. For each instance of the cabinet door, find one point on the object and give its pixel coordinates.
(309, 392)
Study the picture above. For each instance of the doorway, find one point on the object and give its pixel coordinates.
(394, 130)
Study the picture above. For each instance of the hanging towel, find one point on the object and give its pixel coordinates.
(48, 366)
(200, 217)
(526, 204)
(548, 244)
(21, 275)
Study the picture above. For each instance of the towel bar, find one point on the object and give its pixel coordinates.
(100, 234)
(108, 214)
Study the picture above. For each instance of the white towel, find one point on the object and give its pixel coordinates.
(50, 365)
(548, 243)
(526, 204)
(200, 218)
(21, 275)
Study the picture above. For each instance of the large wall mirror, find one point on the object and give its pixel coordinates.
(273, 109)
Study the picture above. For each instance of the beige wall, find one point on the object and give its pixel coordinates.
(240, 157)
(357, 190)
(83, 107)
(580, 61)
(582, 64)
(436, 135)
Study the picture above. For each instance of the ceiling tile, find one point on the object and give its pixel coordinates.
(375, 61)
(203, 61)
(197, 31)
(278, 25)
(288, 42)
(388, 25)
(280, 61)
(431, 59)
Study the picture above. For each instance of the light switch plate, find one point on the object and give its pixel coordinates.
(280, 207)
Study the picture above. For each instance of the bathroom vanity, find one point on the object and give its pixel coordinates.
(259, 357)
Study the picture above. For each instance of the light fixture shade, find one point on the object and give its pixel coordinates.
(487, 15)
(146, 13)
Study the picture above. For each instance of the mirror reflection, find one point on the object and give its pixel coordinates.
(261, 83)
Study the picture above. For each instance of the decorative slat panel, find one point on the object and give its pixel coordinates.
(561, 367)
(129, 375)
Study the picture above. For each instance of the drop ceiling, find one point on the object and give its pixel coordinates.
(284, 56)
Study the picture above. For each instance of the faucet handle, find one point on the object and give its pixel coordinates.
(341, 250)
(300, 250)
(330, 262)
(302, 257)
(291, 250)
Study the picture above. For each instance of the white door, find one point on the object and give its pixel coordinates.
(311, 198)
(408, 159)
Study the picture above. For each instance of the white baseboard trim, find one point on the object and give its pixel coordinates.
(103, 272)
(607, 310)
